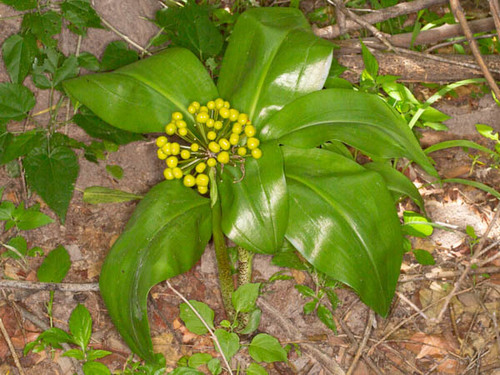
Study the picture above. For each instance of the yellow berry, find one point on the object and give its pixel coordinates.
(181, 123)
(242, 151)
(167, 148)
(224, 112)
(211, 104)
(252, 143)
(202, 117)
(256, 153)
(177, 173)
(233, 114)
(170, 128)
(211, 135)
(211, 162)
(218, 125)
(192, 109)
(161, 154)
(242, 118)
(227, 105)
(202, 180)
(195, 147)
(161, 141)
(210, 123)
(189, 180)
(214, 147)
(234, 139)
(237, 128)
(223, 157)
(202, 189)
(219, 103)
(250, 130)
(185, 154)
(182, 132)
(172, 162)
(168, 173)
(204, 109)
(175, 148)
(177, 116)
(224, 144)
(196, 105)
(201, 167)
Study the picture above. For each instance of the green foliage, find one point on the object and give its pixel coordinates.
(116, 55)
(266, 348)
(99, 194)
(22, 218)
(191, 320)
(55, 266)
(245, 296)
(424, 257)
(413, 227)
(15, 101)
(18, 54)
(80, 15)
(18, 249)
(21, 4)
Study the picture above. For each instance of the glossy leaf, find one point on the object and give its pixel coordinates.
(361, 120)
(272, 58)
(343, 221)
(165, 237)
(15, 101)
(255, 208)
(18, 52)
(142, 96)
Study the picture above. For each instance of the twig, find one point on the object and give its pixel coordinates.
(63, 287)
(217, 343)
(125, 37)
(459, 14)
(455, 41)
(412, 305)
(361, 347)
(468, 268)
(11, 347)
(331, 32)
(495, 12)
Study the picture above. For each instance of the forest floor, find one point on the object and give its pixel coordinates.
(424, 334)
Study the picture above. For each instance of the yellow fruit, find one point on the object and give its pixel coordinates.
(182, 132)
(181, 123)
(168, 173)
(234, 139)
(223, 157)
(161, 154)
(172, 162)
(189, 180)
(219, 103)
(161, 141)
(210, 123)
(167, 148)
(195, 147)
(211, 104)
(252, 143)
(177, 116)
(237, 128)
(233, 114)
(256, 153)
(202, 117)
(211, 162)
(214, 147)
(218, 125)
(202, 189)
(211, 135)
(185, 154)
(224, 144)
(202, 180)
(177, 173)
(224, 112)
(242, 151)
(250, 130)
(200, 168)
(170, 129)
(175, 148)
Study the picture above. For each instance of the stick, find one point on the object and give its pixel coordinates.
(459, 14)
(331, 32)
(62, 287)
(495, 12)
(11, 347)
(126, 38)
(446, 274)
(412, 305)
(366, 336)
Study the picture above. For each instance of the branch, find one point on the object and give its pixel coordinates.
(11, 348)
(495, 12)
(62, 287)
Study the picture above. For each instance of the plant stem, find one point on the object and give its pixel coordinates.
(224, 267)
(245, 259)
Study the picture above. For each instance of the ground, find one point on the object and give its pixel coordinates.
(411, 340)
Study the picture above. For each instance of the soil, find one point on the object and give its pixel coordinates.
(411, 340)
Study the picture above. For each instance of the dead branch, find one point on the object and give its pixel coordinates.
(495, 12)
(62, 287)
(362, 345)
(334, 31)
(439, 275)
(11, 348)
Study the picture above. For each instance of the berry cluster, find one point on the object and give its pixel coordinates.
(225, 136)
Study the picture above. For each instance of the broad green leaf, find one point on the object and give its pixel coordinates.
(310, 306)
(17, 248)
(55, 266)
(117, 55)
(424, 257)
(43, 26)
(371, 64)
(326, 317)
(81, 16)
(19, 51)
(100, 194)
(29, 218)
(169, 218)
(74, 353)
(411, 226)
(88, 61)
(398, 184)
(190, 26)
(343, 221)
(214, 366)
(15, 101)
(80, 326)
(361, 120)
(115, 170)
(253, 322)
(21, 4)
(266, 348)
(97, 128)
(51, 170)
(68, 69)
(198, 359)
(95, 368)
(191, 320)
(255, 202)
(7, 209)
(185, 371)
(93, 354)
(21, 145)
(142, 96)
(55, 336)
(305, 291)
(256, 369)
(272, 58)
(245, 296)
(487, 132)
(229, 342)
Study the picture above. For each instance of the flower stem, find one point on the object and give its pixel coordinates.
(245, 259)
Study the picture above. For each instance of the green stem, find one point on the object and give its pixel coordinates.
(245, 259)
(225, 277)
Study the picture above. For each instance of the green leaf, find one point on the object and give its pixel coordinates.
(475, 184)
(272, 58)
(471, 232)
(371, 64)
(411, 227)
(361, 120)
(305, 291)
(266, 348)
(253, 322)
(487, 132)
(185, 371)
(192, 322)
(95, 368)
(214, 366)
(229, 342)
(81, 16)
(15, 101)
(99, 194)
(255, 205)
(19, 52)
(97, 128)
(458, 143)
(93, 354)
(17, 248)
(51, 170)
(74, 353)
(288, 259)
(43, 26)
(256, 369)
(326, 317)
(245, 296)
(116, 55)
(80, 326)
(424, 257)
(54, 337)
(169, 218)
(68, 69)
(21, 145)
(29, 218)
(55, 266)
(343, 221)
(115, 170)
(198, 359)
(310, 306)
(142, 96)
(190, 26)
(88, 61)
(397, 183)
(7, 209)
(21, 4)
